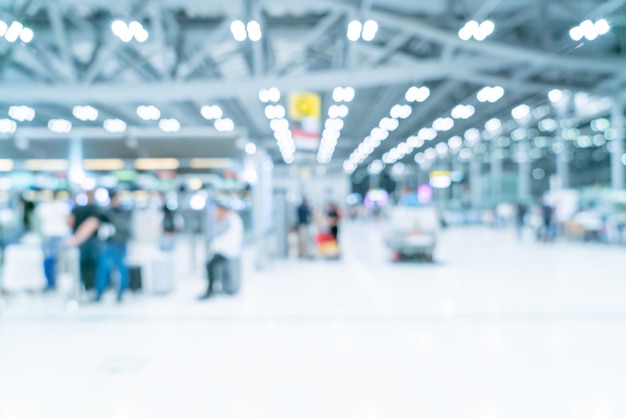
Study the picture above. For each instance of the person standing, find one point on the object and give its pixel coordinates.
(117, 230)
(333, 216)
(304, 221)
(520, 219)
(84, 221)
(52, 216)
(226, 245)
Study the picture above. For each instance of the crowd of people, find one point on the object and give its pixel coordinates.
(101, 231)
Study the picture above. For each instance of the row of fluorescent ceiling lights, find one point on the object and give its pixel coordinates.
(115, 126)
(111, 164)
(334, 124)
(521, 115)
(490, 94)
(252, 30)
(16, 30)
(276, 114)
(587, 29)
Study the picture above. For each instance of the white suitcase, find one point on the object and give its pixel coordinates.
(162, 275)
(23, 268)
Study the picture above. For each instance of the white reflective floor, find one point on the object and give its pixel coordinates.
(496, 329)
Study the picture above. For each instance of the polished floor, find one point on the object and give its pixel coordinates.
(496, 328)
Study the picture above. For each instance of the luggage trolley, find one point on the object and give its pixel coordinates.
(412, 232)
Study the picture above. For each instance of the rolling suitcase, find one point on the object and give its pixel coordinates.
(134, 278)
(231, 278)
(162, 275)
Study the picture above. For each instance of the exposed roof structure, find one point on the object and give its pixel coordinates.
(191, 58)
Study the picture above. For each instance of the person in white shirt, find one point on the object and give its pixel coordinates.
(52, 217)
(226, 245)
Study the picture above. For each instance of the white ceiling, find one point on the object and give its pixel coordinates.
(191, 59)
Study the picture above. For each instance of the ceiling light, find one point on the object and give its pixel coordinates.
(254, 30)
(417, 94)
(589, 30)
(520, 112)
(369, 30)
(555, 95)
(22, 113)
(427, 134)
(472, 136)
(224, 125)
(354, 30)
(443, 124)
(27, 35)
(211, 112)
(602, 26)
(490, 94)
(157, 163)
(13, 32)
(3, 28)
(169, 125)
(455, 143)
(264, 96)
(7, 126)
(274, 94)
(238, 29)
(85, 113)
(279, 125)
(441, 148)
(601, 124)
(60, 126)
(576, 33)
(115, 126)
(493, 125)
(148, 112)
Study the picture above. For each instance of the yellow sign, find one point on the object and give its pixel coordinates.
(434, 174)
(305, 105)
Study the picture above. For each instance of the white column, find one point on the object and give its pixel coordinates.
(523, 191)
(617, 146)
(262, 209)
(475, 180)
(496, 170)
(562, 164)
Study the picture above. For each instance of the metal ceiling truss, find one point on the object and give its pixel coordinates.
(192, 59)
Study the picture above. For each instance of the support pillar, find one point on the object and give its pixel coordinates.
(523, 191)
(496, 171)
(562, 164)
(617, 146)
(475, 181)
(262, 209)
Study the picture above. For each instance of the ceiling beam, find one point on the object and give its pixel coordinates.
(61, 39)
(152, 133)
(510, 52)
(222, 89)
